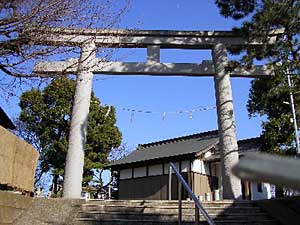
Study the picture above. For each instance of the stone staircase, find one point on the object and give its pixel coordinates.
(150, 212)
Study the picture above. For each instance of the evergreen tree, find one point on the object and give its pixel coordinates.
(46, 114)
(268, 95)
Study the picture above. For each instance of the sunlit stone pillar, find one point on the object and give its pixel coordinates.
(78, 129)
(153, 54)
(226, 123)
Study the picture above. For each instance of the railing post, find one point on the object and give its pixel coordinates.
(179, 202)
(193, 196)
(197, 216)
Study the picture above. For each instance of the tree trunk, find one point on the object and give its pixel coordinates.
(227, 131)
(79, 120)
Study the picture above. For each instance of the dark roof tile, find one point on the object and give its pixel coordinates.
(185, 145)
(172, 147)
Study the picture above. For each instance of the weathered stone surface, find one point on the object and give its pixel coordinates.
(151, 68)
(79, 120)
(228, 143)
(141, 38)
(12, 206)
(18, 162)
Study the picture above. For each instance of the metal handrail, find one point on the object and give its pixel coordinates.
(193, 196)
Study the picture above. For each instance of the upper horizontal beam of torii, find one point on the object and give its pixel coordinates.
(141, 38)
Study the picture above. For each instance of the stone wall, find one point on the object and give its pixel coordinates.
(12, 206)
(16, 209)
(18, 162)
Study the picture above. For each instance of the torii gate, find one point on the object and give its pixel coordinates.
(88, 64)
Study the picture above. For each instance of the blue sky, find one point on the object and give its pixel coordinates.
(167, 94)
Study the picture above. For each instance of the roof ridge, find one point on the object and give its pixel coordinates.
(249, 139)
(181, 138)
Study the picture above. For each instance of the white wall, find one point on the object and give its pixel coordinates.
(185, 166)
(125, 174)
(266, 193)
(199, 166)
(167, 166)
(140, 172)
(155, 170)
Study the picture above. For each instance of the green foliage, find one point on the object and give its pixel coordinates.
(236, 9)
(267, 95)
(47, 114)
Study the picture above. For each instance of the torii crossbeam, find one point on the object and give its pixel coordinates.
(88, 64)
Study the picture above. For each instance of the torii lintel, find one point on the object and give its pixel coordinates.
(142, 38)
(205, 68)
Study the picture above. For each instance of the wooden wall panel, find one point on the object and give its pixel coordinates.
(152, 188)
(204, 184)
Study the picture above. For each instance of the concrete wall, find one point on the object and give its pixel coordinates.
(18, 162)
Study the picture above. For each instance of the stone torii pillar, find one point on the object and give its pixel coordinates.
(78, 129)
(231, 185)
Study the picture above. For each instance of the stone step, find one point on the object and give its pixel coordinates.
(163, 201)
(88, 221)
(174, 208)
(148, 212)
(170, 203)
(170, 211)
(169, 217)
(167, 206)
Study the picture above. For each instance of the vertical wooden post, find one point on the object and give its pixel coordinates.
(118, 184)
(189, 176)
(179, 202)
(170, 183)
(231, 185)
(247, 190)
(78, 128)
(197, 215)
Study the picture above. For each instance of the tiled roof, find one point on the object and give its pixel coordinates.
(245, 145)
(185, 145)
(172, 147)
